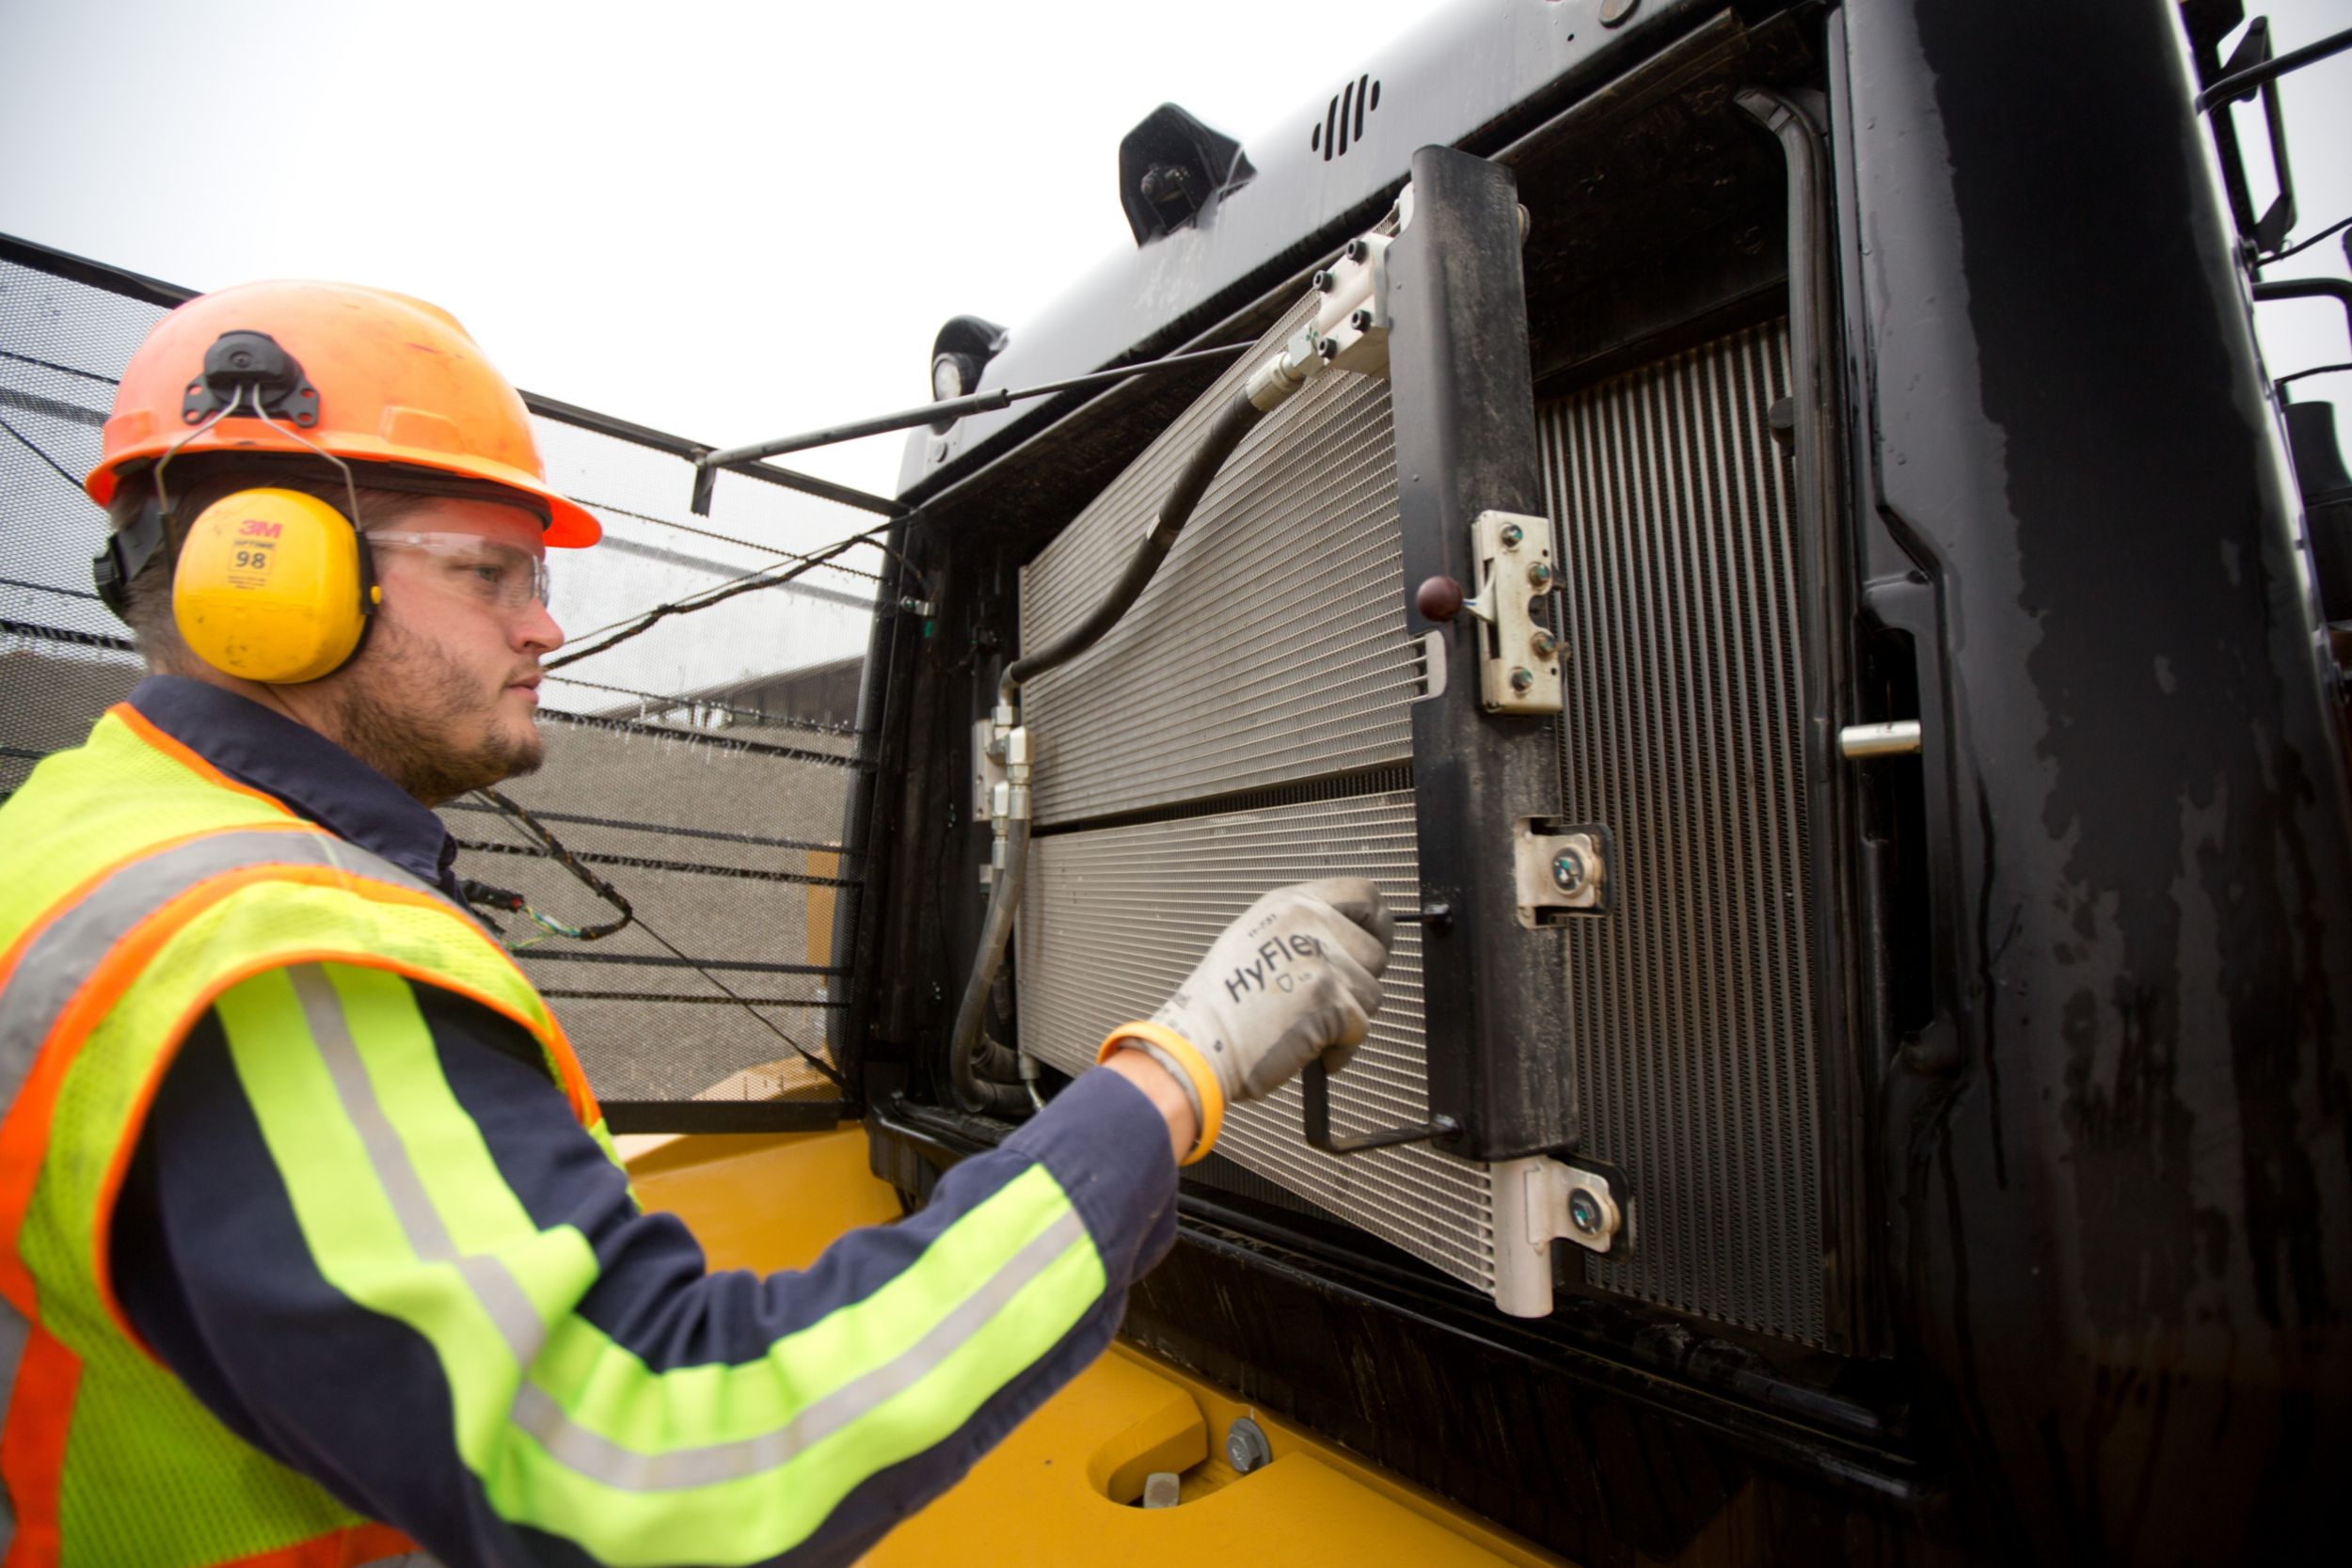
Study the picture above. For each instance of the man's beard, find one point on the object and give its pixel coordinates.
(416, 716)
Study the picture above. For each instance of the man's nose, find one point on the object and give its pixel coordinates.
(537, 629)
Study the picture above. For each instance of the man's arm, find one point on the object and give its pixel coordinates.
(371, 1238)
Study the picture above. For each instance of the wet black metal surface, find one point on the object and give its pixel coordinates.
(2118, 1198)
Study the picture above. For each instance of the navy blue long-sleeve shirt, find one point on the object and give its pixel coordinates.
(641, 1408)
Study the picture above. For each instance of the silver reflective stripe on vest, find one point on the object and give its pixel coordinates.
(13, 1333)
(61, 959)
(632, 1471)
(503, 1299)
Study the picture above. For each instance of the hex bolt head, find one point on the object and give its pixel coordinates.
(1321, 283)
(1513, 536)
(1361, 320)
(1245, 1446)
(1544, 643)
(1357, 250)
(1567, 871)
(1522, 680)
(1327, 347)
(1539, 574)
(1584, 1213)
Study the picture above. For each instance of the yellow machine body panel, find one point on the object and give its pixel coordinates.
(1062, 1488)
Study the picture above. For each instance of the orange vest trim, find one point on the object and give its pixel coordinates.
(344, 1549)
(139, 725)
(24, 1135)
(32, 1451)
(33, 1446)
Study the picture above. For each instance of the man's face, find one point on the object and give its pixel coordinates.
(444, 696)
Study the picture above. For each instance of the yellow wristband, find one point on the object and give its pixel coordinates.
(1184, 1055)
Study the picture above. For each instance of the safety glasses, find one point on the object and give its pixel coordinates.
(498, 575)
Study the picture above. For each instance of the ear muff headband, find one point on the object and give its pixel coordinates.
(272, 585)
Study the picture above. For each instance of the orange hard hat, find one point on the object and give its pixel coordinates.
(369, 375)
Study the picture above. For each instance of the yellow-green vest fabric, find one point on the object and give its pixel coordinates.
(140, 886)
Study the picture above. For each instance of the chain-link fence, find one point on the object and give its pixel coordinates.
(702, 766)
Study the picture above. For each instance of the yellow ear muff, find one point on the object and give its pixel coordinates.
(269, 586)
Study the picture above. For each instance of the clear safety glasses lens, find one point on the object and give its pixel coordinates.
(497, 574)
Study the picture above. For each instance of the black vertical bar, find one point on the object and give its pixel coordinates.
(1823, 548)
(1347, 108)
(1496, 992)
(870, 818)
(1363, 86)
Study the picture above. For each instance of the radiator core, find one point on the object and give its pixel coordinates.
(1691, 1008)
(1249, 725)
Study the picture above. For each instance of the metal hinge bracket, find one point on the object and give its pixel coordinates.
(1560, 870)
(1539, 1200)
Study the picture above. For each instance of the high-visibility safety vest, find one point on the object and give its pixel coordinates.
(141, 884)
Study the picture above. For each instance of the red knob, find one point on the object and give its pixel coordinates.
(1438, 599)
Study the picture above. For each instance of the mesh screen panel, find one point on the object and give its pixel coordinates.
(703, 769)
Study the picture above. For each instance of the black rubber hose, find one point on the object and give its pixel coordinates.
(966, 1045)
(1217, 444)
(971, 1057)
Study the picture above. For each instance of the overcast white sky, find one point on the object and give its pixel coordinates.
(725, 220)
(728, 220)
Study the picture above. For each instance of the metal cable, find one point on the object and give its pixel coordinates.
(554, 851)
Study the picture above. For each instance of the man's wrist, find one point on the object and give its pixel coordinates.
(1163, 1090)
(1182, 1060)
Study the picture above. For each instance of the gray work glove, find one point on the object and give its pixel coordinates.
(1295, 978)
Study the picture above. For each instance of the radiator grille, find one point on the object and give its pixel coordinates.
(1271, 647)
(1115, 917)
(1271, 656)
(1692, 1007)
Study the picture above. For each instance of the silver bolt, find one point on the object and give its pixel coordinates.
(1245, 1446)
(1567, 871)
(1539, 574)
(1512, 535)
(1584, 1213)
(1522, 680)
(1544, 643)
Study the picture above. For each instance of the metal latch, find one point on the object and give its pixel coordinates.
(1560, 870)
(1521, 672)
(1518, 664)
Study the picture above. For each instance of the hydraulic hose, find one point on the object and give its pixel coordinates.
(1217, 442)
(974, 1060)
